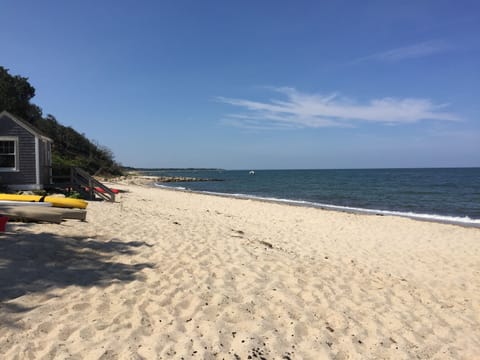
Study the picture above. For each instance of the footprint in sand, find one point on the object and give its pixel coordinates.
(45, 327)
(65, 333)
(101, 326)
(81, 306)
(108, 355)
(146, 326)
(301, 331)
(87, 333)
(103, 307)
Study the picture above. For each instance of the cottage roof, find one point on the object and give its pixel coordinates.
(31, 129)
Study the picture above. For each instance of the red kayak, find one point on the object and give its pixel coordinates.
(100, 190)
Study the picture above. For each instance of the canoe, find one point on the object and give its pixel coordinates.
(31, 213)
(76, 214)
(38, 213)
(23, 203)
(55, 201)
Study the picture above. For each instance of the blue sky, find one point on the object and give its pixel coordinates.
(257, 84)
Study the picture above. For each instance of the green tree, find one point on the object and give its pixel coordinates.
(15, 95)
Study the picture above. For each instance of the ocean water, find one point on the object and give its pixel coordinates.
(450, 194)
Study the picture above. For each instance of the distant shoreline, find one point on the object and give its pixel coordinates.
(298, 203)
(153, 181)
(131, 169)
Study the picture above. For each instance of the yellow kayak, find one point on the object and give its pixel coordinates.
(55, 201)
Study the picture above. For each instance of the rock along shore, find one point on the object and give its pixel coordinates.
(182, 179)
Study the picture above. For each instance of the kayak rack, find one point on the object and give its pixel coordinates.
(80, 179)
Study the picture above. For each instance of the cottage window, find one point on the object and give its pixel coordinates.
(8, 154)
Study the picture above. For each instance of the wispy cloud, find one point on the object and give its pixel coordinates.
(419, 50)
(300, 110)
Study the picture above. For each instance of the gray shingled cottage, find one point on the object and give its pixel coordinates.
(25, 155)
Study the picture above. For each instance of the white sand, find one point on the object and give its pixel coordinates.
(163, 274)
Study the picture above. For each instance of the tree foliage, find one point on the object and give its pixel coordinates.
(15, 95)
(70, 148)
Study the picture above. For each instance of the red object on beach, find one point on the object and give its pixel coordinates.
(3, 223)
(100, 190)
(115, 191)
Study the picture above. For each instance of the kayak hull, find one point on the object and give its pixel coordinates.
(23, 203)
(42, 213)
(55, 201)
(31, 213)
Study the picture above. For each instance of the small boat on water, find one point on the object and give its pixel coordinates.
(251, 172)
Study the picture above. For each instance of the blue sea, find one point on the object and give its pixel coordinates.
(450, 194)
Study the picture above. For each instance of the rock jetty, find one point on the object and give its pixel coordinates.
(166, 179)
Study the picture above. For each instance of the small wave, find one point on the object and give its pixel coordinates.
(169, 187)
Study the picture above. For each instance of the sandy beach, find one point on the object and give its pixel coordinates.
(163, 274)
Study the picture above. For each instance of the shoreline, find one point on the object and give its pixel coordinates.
(441, 219)
(432, 194)
(166, 274)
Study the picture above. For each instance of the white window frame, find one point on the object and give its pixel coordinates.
(15, 140)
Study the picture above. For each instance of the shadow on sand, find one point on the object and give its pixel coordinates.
(33, 263)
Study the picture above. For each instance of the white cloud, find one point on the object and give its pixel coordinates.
(419, 50)
(300, 110)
